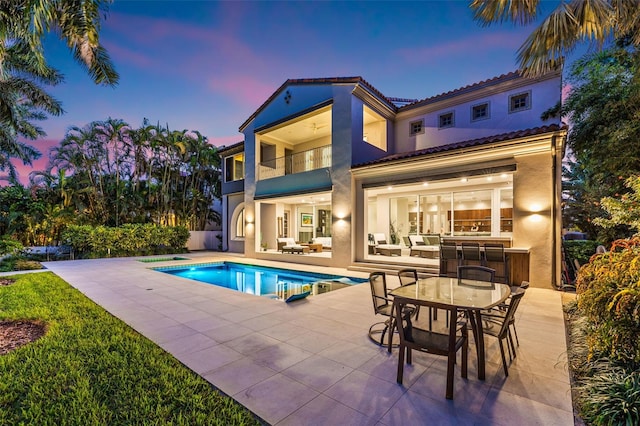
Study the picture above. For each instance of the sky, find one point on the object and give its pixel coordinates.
(208, 65)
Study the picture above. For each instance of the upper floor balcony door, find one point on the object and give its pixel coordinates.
(299, 145)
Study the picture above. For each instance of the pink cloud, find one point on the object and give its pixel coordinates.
(129, 56)
(446, 50)
(42, 145)
(246, 90)
(225, 140)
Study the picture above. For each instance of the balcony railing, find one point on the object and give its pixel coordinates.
(299, 162)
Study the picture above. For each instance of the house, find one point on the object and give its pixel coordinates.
(332, 161)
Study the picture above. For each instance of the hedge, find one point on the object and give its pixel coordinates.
(127, 240)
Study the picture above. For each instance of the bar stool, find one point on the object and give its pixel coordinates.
(495, 257)
(449, 260)
(471, 254)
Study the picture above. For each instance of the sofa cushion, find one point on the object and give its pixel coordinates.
(325, 241)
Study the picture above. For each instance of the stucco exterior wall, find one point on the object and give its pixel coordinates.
(544, 95)
(533, 215)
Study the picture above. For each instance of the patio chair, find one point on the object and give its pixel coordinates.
(447, 344)
(495, 257)
(471, 254)
(381, 246)
(449, 260)
(289, 245)
(382, 305)
(472, 275)
(407, 277)
(501, 309)
(498, 327)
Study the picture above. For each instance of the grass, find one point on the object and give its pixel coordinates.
(91, 368)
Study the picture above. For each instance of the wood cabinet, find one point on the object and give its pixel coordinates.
(465, 220)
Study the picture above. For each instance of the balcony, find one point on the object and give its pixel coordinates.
(304, 161)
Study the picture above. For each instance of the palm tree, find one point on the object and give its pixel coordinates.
(77, 23)
(572, 22)
(22, 101)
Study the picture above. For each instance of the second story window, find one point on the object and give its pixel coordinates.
(234, 167)
(416, 127)
(480, 112)
(445, 120)
(520, 102)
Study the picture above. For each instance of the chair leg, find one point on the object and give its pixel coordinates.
(450, 366)
(400, 364)
(465, 357)
(515, 332)
(504, 358)
(512, 347)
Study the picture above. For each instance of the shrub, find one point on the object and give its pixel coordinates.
(127, 240)
(611, 397)
(8, 246)
(580, 249)
(609, 295)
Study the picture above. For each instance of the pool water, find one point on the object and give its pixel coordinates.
(265, 281)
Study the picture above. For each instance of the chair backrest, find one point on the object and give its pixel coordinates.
(431, 240)
(431, 341)
(287, 241)
(407, 276)
(494, 252)
(471, 251)
(469, 274)
(378, 283)
(380, 238)
(516, 296)
(416, 240)
(448, 251)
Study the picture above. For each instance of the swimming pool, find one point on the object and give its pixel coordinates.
(265, 281)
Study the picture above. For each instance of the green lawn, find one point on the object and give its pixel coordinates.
(91, 369)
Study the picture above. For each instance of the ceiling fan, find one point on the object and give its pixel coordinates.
(315, 127)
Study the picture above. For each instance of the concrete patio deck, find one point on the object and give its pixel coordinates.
(312, 363)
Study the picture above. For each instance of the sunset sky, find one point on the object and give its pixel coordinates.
(208, 65)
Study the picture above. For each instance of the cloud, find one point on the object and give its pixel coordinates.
(225, 140)
(245, 90)
(472, 45)
(126, 55)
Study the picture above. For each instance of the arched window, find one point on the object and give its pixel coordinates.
(237, 223)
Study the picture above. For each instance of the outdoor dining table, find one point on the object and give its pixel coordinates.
(467, 295)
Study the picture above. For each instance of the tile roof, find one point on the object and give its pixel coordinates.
(465, 144)
(232, 149)
(471, 87)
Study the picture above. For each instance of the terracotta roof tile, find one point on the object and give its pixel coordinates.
(471, 87)
(465, 144)
(236, 147)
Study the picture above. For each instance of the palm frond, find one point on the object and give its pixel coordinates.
(545, 47)
(488, 12)
(627, 18)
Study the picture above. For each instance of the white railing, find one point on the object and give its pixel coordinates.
(299, 162)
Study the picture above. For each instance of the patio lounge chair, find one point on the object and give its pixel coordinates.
(419, 247)
(385, 249)
(289, 245)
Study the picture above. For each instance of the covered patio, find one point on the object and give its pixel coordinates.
(311, 361)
